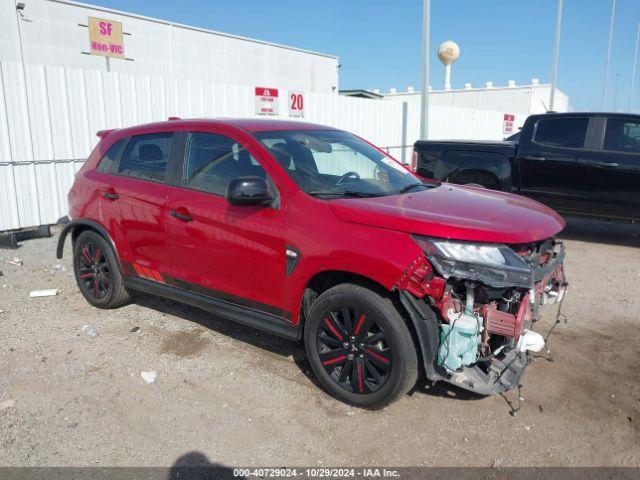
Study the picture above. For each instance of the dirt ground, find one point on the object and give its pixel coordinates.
(245, 398)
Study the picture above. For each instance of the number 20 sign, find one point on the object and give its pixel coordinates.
(296, 104)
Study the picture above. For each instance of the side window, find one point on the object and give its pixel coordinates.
(146, 156)
(562, 132)
(106, 162)
(622, 135)
(212, 161)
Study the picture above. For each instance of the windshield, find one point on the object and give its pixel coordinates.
(333, 163)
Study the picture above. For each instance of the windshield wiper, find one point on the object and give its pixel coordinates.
(348, 193)
(411, 186)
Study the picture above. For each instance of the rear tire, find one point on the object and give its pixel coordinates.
(98, 272)
(360, 347)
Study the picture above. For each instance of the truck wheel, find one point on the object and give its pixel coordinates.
(359, 346)
(97, 272)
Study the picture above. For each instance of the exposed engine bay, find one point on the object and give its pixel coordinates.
(486, 299)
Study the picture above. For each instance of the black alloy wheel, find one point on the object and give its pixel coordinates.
(359, 345)
(94, 270)
(353, 350)
(98, 272)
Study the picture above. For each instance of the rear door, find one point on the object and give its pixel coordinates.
(614, 177)
(233, 253)
(551, 164)
(136, 198)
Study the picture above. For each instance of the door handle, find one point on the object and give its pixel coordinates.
(183, 215)
(536, 159)
(604, 164)
(110, 194)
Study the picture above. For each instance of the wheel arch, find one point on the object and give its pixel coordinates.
(76, 227)
(326, 279)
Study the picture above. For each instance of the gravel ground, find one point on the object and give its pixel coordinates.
(241, 397)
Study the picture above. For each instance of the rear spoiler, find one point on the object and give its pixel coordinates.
(103, 133)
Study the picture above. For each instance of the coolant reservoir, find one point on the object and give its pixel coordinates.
(459, 342)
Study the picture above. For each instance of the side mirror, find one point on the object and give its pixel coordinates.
(248, 191)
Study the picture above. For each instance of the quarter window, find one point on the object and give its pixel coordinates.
(106, 162)
(622, 136)
(146, 156)
(212, 161)
(562, 132)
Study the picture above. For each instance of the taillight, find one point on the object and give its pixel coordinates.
(414, 162)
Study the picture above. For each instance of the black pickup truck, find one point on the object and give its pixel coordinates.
(576, 163)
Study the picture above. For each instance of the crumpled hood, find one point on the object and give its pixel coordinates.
(455, 212)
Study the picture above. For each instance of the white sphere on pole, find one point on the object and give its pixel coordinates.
(448, 52)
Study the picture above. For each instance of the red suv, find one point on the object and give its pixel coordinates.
(310, 232)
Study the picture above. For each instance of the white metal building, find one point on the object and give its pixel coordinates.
(54, 32)
(514, 99)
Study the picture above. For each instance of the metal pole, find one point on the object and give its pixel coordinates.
(556, 57)
(424, 103)
(615, 92)
(635, 62)
(606, 67)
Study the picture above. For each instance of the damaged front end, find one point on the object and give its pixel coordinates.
(474, 305)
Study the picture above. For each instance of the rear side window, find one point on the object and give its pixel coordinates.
(146, 156)
(212, 161)
(622, 135)
(562, 132)
(106, 162)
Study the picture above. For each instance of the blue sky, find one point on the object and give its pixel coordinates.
(379, 42)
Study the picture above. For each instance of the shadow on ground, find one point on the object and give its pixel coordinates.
(602, 231)
(252, 336)
(196, 465)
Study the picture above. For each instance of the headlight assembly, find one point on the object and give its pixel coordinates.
(493, 264)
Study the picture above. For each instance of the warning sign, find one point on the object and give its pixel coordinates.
(266, 101)
(507, 124)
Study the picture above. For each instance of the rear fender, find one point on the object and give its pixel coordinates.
(86, 223)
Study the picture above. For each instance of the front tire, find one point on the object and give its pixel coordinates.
(359, 346)
(97, 271)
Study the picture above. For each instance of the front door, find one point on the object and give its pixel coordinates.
(232, 253)
(550, 165)
(614, 176)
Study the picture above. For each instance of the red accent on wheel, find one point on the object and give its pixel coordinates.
(359, 324)
(334, 360)
(360, 376)
(333, 329)
(85, 254)
(379, 357)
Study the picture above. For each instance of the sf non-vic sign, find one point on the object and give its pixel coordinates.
(105, 38)
(296, 104)
(266, 101)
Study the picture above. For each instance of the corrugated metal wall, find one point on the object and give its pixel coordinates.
(50, 32)
(49, 116)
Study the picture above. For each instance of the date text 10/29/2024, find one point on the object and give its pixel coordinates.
(316, 472)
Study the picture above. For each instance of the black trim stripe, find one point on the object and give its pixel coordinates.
(263, 321)
(130, 271)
